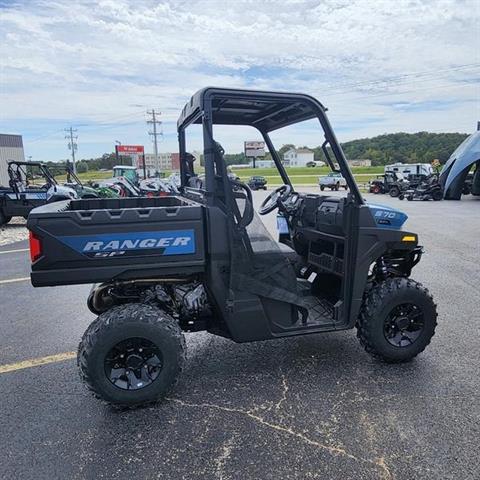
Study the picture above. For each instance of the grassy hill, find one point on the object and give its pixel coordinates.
(405, 147)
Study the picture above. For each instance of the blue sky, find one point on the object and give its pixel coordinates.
(379, 67)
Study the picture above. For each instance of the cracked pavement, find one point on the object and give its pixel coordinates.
(311, 407)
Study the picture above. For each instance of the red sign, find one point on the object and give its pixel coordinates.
(130, 148)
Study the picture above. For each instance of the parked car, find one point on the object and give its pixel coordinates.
(333, 180)
(315, 163)
(257, 183)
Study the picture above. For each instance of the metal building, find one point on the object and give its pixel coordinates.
(11, 148)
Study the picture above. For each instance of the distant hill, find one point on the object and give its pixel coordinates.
(389, 148)
(404, 147)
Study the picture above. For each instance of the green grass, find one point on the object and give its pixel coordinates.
(305, 175)
(298, 175)
(90, 175)
(311, 171)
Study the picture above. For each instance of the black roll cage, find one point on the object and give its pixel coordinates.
(14, 173)
(266, 111)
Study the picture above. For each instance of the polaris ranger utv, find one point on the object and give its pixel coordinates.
(202, 260)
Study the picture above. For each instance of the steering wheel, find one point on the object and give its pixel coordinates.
(280, 194)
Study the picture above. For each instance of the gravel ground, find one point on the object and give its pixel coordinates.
(14, 231)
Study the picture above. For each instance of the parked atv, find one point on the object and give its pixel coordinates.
(257, 183)
(86, 191)
(203, 260)
(30, 185)
(393, 183)
(430, 189)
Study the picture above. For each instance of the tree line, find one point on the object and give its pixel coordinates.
(421, 147)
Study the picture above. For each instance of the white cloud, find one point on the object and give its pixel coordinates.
(85, 62)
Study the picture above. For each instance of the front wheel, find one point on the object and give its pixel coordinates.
(4, 219)
(397, 320)
(131, 355)
(437, 195)
(322, 188)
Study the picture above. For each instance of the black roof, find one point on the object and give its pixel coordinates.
(7, 140)
(264, 110)
(23, 162)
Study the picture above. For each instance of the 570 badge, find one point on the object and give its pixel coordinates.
(170, 242)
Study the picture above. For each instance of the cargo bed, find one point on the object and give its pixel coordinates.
(103, 240)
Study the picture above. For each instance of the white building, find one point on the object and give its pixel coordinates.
(297, 157)
(11, 148)
(165, 161)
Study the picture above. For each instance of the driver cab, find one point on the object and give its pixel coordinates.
(266, 287)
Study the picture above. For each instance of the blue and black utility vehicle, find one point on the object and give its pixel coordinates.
(203, 260)
(31, 184)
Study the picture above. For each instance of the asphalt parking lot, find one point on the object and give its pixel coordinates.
(313, 407)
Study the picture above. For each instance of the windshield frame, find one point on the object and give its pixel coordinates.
(220, 106)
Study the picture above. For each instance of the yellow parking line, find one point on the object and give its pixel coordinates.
(35, 362)
(13, 280)
(15, 251)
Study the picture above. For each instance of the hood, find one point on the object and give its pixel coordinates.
(387, 217)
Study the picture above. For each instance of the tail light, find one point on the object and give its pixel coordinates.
(35, 247)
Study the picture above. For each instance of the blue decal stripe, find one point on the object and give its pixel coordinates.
(169, 242)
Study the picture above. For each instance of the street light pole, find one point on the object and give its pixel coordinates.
(117, 157)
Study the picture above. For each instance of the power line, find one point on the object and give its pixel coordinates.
(434, 87)
(72, 144)
(155, 133)
(400, 79)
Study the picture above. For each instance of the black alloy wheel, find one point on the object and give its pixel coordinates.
(133, 363)
(404, 325)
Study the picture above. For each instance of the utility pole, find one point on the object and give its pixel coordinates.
(155, 133)
(72, 145)
(117, 144)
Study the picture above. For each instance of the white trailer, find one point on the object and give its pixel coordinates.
(410, 168)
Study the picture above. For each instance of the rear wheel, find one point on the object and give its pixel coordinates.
(394, 192)
(397, 320)
(131, 355)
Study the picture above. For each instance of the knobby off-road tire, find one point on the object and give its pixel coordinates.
(118, 326)
(437, 195)
(381, 304)
(394, 192)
